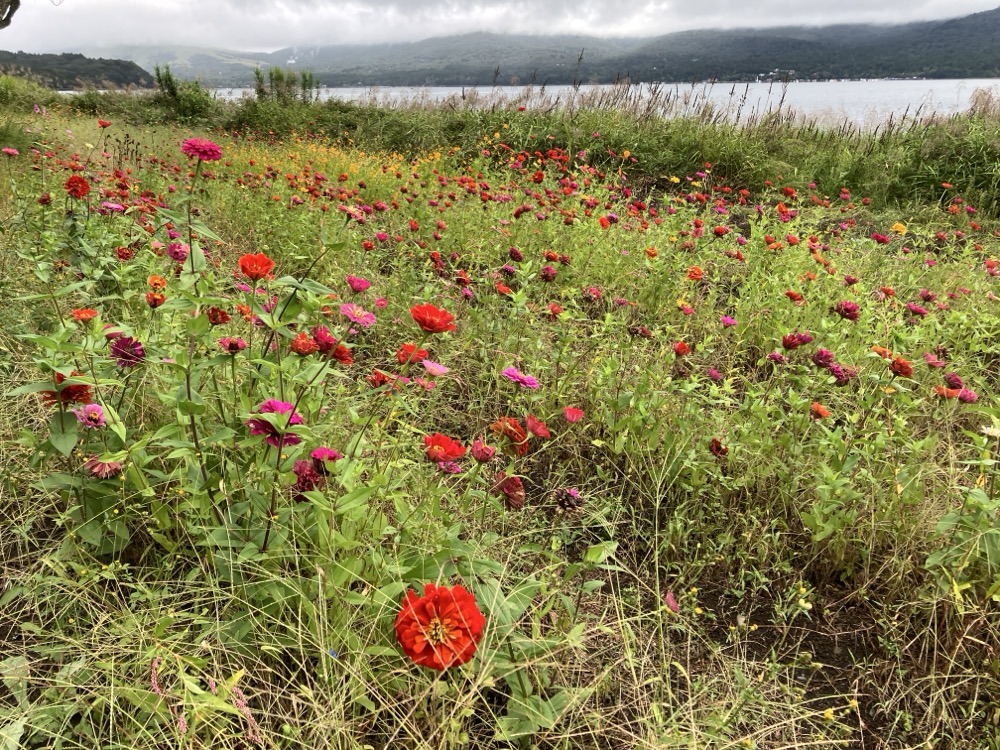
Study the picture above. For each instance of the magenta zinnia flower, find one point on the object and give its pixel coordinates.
(202, 149)
(516, 376)
(277, 437)
(357, 284)
(90, 416)
(232, 345)
(127, 351)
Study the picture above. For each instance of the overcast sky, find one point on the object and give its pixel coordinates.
(267, 25)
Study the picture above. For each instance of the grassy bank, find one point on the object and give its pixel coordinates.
(711, 442)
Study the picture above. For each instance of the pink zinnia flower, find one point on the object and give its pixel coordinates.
(357, 314)
(232, 345)
(433, 368)
(516, 376)
(202, 149)
(103, 469)
(90, 416)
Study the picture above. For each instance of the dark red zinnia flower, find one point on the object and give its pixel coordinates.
(77, 186)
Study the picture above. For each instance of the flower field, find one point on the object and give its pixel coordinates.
(308, 444)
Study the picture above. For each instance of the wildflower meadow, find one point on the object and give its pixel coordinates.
(517, 442)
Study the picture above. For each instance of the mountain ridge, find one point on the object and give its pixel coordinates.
(958, 47)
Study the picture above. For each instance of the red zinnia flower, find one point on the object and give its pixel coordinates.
(440, 629)
(155, 299)
(77, 186)
(510, 428)
(256, 267)
(819, 411)
(410, 353)
(572, 414)
(432, 319)
(901, 367)
(67, 394)
(103, 124)
(537, 427)
(303, 345)
(443, 448)
(681, 348)
(217, 316)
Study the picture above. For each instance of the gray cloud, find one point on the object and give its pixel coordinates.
(43, 25)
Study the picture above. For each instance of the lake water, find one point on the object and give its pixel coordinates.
(865, 103)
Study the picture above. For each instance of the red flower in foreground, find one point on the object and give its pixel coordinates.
(681, 348)
(103, 124)
(432, 319)
(440, 629)
(443, 448)
(256, 267)
(77, 186)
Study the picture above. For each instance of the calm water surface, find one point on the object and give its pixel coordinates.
(862, 102)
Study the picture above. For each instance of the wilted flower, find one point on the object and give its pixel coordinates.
(103, 469)
(511, 488)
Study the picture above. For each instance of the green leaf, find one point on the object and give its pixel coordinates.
(63, 432)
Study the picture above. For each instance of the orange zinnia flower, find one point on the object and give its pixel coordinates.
(695, 273)
(819, 411)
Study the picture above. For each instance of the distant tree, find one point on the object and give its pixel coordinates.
(7, 10)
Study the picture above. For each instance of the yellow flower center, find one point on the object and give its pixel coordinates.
(436, 632)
